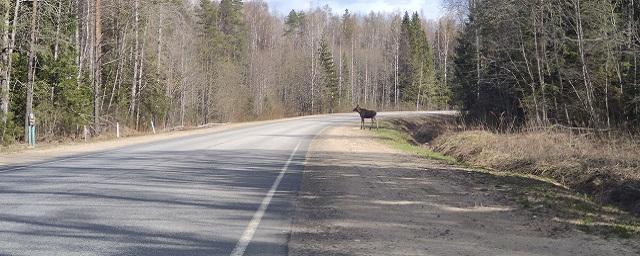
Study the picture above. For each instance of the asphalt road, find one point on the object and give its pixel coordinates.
(224, 193)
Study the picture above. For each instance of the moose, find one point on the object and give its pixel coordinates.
(365, 113)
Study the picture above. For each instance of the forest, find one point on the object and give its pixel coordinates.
(556, 62)
(88, 64)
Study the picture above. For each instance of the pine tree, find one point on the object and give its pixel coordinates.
(231, 23)
(293, 23)
(212, 37)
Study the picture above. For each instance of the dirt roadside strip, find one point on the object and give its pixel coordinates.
(361, 197)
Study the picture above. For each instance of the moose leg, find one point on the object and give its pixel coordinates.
(371, 127)
(361, 123)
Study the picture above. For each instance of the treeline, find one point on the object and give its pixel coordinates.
(567, 62)
(94, 63)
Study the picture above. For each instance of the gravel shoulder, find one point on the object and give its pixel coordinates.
(361, 197)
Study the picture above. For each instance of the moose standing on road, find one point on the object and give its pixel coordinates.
(365, 113)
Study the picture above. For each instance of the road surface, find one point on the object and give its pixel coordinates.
(223, 193)
(241, 191)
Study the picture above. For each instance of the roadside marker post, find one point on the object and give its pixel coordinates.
(85, 132)
(31, 131)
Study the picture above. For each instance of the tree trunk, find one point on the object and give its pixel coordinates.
(313, 73)
(159, 50)
(477, 39)
(31, 69)
(352, 71)
(116, 82)
(446, 53)
(532, 82)
(585, 72)
(98, 67)
(420, 85)
(5, 57)
(90, 41)
(366, 78)
(140, 74)
(6, 73)
(396, 92)
(56, 46)
(79, 48)
(539, 67)
(340, 76)
(134, 84)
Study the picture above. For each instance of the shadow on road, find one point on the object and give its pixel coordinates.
(194, 202)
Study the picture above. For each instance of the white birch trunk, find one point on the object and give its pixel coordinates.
(11, 42)
(134, 83)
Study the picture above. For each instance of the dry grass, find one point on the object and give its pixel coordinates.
(605, 169)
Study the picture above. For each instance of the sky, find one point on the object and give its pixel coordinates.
(431, 8)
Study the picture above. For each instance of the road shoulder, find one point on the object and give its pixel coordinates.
(361, 197)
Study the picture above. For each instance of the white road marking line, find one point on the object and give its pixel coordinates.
(246, 237)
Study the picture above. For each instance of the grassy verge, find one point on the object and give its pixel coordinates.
(522, 168)
(608, 171)
(570, 207)
(403, 141)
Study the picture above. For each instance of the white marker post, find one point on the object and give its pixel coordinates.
(117, 130)
(153, 127)
(85, 132)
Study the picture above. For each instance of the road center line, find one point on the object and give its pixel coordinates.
(246, 237)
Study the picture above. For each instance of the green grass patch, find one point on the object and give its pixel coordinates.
(576, 208)
(402, 141)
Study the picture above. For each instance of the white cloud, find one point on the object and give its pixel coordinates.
(284, 6)
(430, 8)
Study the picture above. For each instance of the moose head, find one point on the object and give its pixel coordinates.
(357, 108)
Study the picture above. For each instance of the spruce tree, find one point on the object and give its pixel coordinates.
(232, 25)
(405, 74)
(330, 75)
(416, 72)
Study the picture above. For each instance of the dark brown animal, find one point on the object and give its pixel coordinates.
(365, 113)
